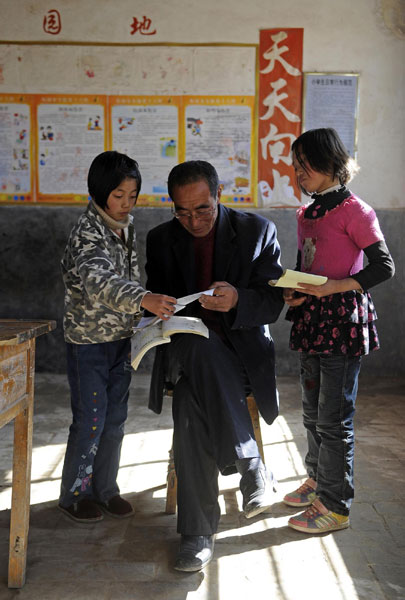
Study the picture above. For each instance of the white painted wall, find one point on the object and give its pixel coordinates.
(339, 35)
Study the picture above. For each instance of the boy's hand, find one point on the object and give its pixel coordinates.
(159, 304)
(290, 297)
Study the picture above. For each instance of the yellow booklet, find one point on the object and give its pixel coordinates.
(290, 279)
(152, 333)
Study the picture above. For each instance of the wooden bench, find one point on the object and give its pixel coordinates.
(17, 368)
(171, 493)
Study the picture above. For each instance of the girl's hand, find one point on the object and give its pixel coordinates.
(159, 304)
(291, 298)
(332, 286)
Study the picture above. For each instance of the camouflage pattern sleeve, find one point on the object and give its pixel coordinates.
(102, 284)
(105, 282)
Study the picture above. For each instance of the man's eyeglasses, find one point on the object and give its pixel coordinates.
(199, 213)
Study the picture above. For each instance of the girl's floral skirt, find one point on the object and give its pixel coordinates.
(341, 323)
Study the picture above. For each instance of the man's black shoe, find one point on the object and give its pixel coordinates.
(195, 552)
(257, 488)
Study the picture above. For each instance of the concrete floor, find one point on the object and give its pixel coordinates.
(261, 558)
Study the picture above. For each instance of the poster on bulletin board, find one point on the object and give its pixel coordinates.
(331, 100)
(70, 132)
(220, 130)
(146, 128)
(16, 148)
(50, 141)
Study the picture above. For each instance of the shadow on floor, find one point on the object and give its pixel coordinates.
(261, 558)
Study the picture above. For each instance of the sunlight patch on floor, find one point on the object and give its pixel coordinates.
(144, 467)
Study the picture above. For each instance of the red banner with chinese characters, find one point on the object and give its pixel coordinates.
(280, 94)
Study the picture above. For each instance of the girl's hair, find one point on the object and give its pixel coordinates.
(192, 171)
(324, 151)
(107, 171)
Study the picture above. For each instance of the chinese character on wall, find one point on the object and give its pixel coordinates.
(52, 22)
(280, 82)
(142, 27)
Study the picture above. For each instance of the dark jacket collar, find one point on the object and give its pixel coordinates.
(225, 242)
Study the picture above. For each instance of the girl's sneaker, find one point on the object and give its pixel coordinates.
(318, 519)
(303, 496)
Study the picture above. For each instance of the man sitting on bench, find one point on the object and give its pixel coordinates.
(207, 245)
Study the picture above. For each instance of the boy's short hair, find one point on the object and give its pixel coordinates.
(107, 171)
(192, 171)
(324, 152)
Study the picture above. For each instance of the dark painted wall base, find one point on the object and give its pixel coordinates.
(32, 239)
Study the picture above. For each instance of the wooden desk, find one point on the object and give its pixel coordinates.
(17, 368)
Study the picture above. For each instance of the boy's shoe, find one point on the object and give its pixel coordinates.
(117, 507)
(302, 496)
(83, 511)
(318, 519)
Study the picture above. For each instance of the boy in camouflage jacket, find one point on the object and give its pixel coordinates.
(103, 295)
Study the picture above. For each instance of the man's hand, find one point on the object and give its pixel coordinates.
(291, 299)
(225, 297)
(159, 304)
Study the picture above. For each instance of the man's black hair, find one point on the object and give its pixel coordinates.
(192, 171)
(106, 173)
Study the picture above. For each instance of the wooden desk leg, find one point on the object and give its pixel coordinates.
(20, 503)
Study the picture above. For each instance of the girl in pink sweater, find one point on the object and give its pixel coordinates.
(333, 325)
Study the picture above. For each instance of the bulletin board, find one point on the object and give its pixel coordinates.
(160, 104)
(331, 100)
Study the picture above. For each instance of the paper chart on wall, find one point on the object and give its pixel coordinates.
(147, 129)
(16, 172)
(70, 131)
(331, 100)
(220, 131)
(66, 132)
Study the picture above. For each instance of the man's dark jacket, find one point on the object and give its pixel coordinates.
(246, 255)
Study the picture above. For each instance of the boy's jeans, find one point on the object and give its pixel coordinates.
(329, 389)
(99, 378)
